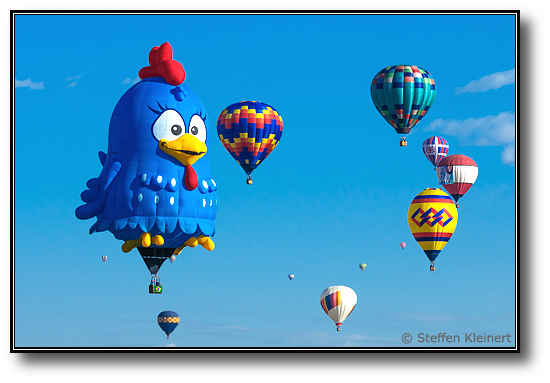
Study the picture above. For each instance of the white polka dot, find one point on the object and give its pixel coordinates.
(140, 197)
(173, 182)
(213, 182)
(144, 177)
(157, 199)
(171, 200)
(204, 184)
(203, 202)
(159, 179)
(210, 202)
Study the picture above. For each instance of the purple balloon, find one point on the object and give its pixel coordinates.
(403, 245)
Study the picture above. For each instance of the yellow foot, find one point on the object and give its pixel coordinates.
(206, 242)
(202, 240)
(191, 242)
(144, 240)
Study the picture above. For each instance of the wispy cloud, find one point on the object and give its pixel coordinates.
(489, 82)
(171, 345)
(128, 80)
(484, 131)
(29, 84)
(72, 79)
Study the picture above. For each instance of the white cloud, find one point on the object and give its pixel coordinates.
(128, 80)
(170, 345)
(489, 82)
(72, 83)
(69, 78)
(485, 131)
(508, 155)
(29, 84)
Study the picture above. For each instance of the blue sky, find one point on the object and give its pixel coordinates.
(333, 194)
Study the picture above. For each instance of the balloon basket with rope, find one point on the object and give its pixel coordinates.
(338, 326)
(249, 179)
(403, 141)
(432, 266)
(155, 287)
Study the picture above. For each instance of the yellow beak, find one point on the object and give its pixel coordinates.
(187, 149)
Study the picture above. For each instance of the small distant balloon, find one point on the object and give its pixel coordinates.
(291, 276)
(403, 245)
(168, 321)
(172, 258)
(104, 258)
(338, 302)
(362, 266)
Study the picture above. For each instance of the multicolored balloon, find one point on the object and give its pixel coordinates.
(104, 258)
(403, 245)
(457, 173)
(362, 266)
(291, 276)
(435, 149)
(249, 131)
(168, 321)
(432, 220)
(338, 302)
(403, 94)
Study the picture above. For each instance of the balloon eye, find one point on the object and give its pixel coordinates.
(176, 130)
(168, 126)
(197, 128)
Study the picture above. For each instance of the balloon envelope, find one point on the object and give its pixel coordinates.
(403, 94)
(432, 220)
(291, 276)
(435, 149)
(403, 245)
(338, 302)
(362, 266)
(249, 131)
(457, 173)
(104, 258)
(168, 321)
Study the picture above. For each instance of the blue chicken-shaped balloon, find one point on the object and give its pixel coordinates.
(156, 191)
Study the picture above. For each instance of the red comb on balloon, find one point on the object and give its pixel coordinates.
(162, 65)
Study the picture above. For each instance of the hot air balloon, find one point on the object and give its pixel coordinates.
(362, 266)
(155, 191)
(168, 321)
(249, 131)
(403, 94)
(104, 258)
(291, 276)
(403, 245)
(338, 302)
(432, 219)
(457, 173)
(435, 149)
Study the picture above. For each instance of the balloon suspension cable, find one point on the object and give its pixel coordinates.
(155, 279)
(249, 179)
